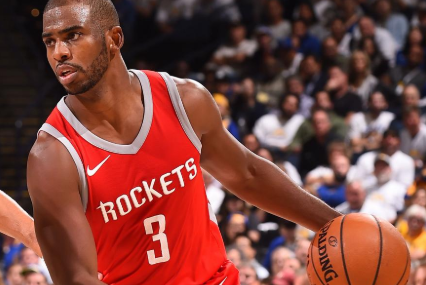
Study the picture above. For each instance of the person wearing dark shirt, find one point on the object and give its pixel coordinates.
(314, 151)
(246, 108)
(345, 102)
(300, 37)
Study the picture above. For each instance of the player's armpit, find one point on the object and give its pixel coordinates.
(61, 226)
(247, 175)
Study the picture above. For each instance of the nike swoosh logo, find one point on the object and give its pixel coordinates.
(223, 280)
(92, 172)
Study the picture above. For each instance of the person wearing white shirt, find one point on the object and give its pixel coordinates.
(382, 37)
(355, 195)
(386, 191)
(413, 136)
(365, 126)
(401, 164)
(215, 195)
(277, 130)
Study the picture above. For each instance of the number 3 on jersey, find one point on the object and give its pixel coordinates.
(161, 236)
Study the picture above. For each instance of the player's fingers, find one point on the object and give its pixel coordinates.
(100, 276)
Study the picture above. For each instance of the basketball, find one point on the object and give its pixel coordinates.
(358, 249)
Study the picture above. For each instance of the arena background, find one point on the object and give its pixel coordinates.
(322, 59)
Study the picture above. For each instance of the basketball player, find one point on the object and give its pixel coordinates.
(115, 174)
(16, 223)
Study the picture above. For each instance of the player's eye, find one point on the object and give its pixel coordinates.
(49, 42)
(74, 36)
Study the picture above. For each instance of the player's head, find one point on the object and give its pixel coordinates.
(82, 37)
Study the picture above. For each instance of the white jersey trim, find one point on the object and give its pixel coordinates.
(180, 111)
(77, 160)
(212, 216)
(132, 148)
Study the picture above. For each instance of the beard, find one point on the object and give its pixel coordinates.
(93, 73)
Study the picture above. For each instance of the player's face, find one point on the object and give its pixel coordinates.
(76, 49)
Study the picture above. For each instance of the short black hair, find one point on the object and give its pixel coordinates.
(102, 12)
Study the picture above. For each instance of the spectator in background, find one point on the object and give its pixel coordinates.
(412, 73)
(215, 195)
(223, 104)
(236, 53)
(379, 64)
(236, 224)
(339, 33)
(306, 13)
(13, 275)
(248, 274)
(289, 58)
(251, 142)
(276, 131)
(286, 238)
(414, 37)
(170, 12)
(355, 195)
(278, 258)
(401, 164)
(314, 151)
(331, 55)
(346, 103)
(333, 192)
(313, 76)
(386, 193)
(413, 231)
(280, 28)
(270, 81)
(245, 244)
(366, 128)
(324, 174)
(28, 258)
(395, 23)
(235, 255)
(285, 166)
(384, 40)
(294, 85)
(419, 198)
(306, 131)
(302, 250)
(413, 136)
(246, 108)
(301, 38)
(361, 81)
(33, 277)
(419, 274)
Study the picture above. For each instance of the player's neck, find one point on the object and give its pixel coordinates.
(113, 108)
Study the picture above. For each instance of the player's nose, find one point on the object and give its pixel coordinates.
(61, 52)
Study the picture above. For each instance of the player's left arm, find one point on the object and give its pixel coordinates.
(248, 176)
(15, 222)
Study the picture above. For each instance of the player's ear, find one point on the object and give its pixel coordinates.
(116, 41)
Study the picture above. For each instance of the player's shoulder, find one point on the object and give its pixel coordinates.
(199, 105)
(45, 147)
(190, 90)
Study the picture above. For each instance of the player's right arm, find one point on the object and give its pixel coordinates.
(61, 226)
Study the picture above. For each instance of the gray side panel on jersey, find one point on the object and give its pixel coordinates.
(211, 214)
(180, 110)
(78, 163)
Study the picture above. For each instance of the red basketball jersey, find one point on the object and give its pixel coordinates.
(146, 202)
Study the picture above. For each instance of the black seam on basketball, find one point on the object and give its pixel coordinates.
(341, 249)
(406, 265)
(381, 250)
(313, 265)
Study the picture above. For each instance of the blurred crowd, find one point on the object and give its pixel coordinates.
(331, 91)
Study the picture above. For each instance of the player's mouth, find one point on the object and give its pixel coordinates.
(66, 74)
